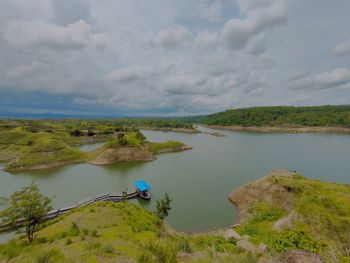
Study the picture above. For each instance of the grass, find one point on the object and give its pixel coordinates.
(132, 140)
(168, 146)
(115, 232)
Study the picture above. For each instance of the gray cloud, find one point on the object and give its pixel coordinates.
(210, 11)
(342, 49)
(68, 12)
(237, 32)
(171, 37)
(297, 76)
(206, 40)
(322, 81)
(333, 79)
(41, 34)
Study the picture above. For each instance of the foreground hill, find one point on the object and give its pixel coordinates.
(119, 232)
(284, 217)
(288, 213)
(280, 116)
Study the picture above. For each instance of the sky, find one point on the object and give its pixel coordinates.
(171, 58)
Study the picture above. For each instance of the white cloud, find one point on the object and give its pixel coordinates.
(237, 32)
(342, 49)
(41, 34)
(332, 79)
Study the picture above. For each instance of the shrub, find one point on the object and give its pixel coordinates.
(42, 240)
(109, 249)
(94, 233)
(68, 241)
(265, 212)
(92, 245)
(184, 245)
(11, 249)
(74, 229)
(51, 256)
(160, 251)
(85, 231)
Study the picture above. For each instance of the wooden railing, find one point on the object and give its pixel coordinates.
(56, 213)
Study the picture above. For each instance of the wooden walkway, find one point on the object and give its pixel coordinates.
(56, 213)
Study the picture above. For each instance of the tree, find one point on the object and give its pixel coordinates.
(121, 139)
(163, 207)
(140, 136)
(76, 133)
(25, 208)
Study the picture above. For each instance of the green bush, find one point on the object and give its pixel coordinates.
(74, 229)
(159, 251)
(94, 233)
(68, 241)
(184, 245)
(109, 249)
(11, 249)
(50, 256)
(265, 212)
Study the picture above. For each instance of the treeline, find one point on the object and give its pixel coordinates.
(279, 116)
(91, 127)
(153, 123)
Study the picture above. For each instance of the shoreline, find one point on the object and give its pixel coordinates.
(179, 130)
(271, 129)
(133, 154)
(43, 166)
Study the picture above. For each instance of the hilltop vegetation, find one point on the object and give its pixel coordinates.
(280, 116)
(287, 212)
(119, 232)
(36, 144)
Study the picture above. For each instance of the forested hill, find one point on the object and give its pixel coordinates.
(280, 116)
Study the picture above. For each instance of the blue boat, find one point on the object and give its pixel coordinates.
(143, 189)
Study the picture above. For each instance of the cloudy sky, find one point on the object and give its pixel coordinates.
(167, 57)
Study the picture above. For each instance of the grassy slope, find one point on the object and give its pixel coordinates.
(280, 116)
(119, 232)
(168, 146)
(320, 224)
(38, 148)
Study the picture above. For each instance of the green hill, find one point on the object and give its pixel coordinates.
(118, 232)
(280, 116)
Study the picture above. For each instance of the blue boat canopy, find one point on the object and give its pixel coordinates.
(142, 185)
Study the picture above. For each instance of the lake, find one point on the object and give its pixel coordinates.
(198, 180)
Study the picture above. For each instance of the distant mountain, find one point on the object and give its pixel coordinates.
(52, 116)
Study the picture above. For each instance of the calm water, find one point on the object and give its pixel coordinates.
(199, 180)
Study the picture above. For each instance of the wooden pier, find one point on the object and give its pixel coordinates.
(56, 213)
